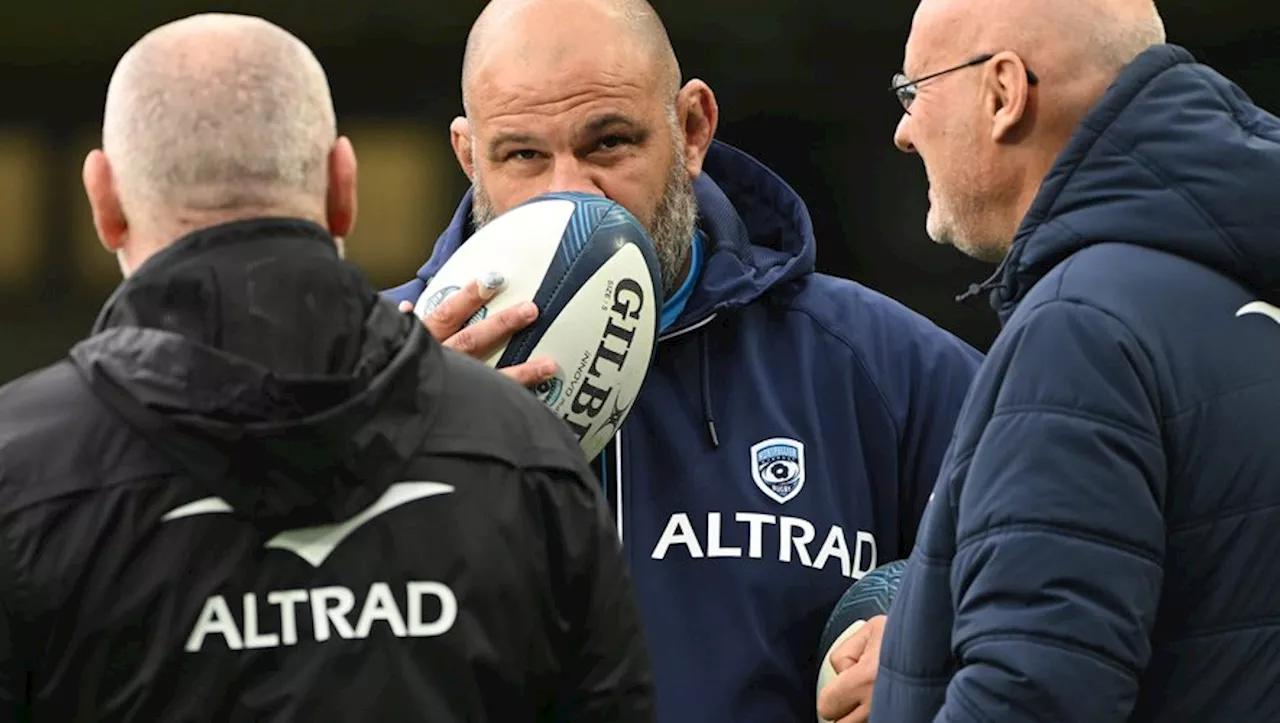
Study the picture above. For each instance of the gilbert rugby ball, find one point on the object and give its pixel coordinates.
(592, 271)
(865, 599)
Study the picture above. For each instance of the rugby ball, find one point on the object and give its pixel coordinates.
(865, 599)
(592, 270)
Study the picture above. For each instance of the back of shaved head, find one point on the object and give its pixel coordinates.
(217, 113)
(503, 22)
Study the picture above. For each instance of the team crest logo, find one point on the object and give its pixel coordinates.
(427, 303)
(549, 390)
(777, 465)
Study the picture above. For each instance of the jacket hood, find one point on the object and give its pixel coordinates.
(266, 368)
(1174, 157)
(759, 230)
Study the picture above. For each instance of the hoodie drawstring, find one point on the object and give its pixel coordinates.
(704, 357)
(975, 289)
(609, 463)
(992, 281)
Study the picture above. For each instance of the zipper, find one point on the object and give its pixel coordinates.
(617, 481)
(610, 460)
(610, 471)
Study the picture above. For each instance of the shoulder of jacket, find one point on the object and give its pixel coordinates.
(46, 406)
(857, 316)
(484, 414)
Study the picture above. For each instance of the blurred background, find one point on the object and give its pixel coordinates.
(802, 85)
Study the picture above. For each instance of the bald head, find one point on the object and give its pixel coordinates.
(550, 30)
(1060, 40)
(218, 112)
(990, 131)
(213, 119)
(584, 96)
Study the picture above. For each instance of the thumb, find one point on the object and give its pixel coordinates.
(848, 653)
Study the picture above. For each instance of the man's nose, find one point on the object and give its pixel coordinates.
(902, 135)
(570, 174)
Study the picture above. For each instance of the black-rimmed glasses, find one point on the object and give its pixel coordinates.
(905, 89)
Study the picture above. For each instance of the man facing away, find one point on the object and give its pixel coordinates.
(1102, 544)
(260, 493)
(791, 427)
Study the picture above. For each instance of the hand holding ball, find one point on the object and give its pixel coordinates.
(590, 269)
(865, 600)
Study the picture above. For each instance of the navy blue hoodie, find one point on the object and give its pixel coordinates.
(784, 444)
(1103, 542)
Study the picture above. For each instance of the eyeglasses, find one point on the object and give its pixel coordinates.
(905, 89)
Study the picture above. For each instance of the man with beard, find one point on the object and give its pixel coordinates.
(258, 492)
(788, 434)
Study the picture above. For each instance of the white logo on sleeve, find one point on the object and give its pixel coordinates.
(270, 620)
(1261, 308)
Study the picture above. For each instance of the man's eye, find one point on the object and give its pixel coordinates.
(609, 143)
(524, 154)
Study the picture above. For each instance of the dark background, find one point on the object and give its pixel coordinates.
(802, 85)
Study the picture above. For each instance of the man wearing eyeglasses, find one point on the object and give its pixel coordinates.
(1102, 544)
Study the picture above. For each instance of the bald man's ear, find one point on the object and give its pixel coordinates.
(100, 188)
(698, 116)
(1008, 91)
(340, 201)
(460, 139)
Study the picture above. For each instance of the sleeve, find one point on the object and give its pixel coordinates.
(1060, 535)
(942, 375)
(605, 664)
